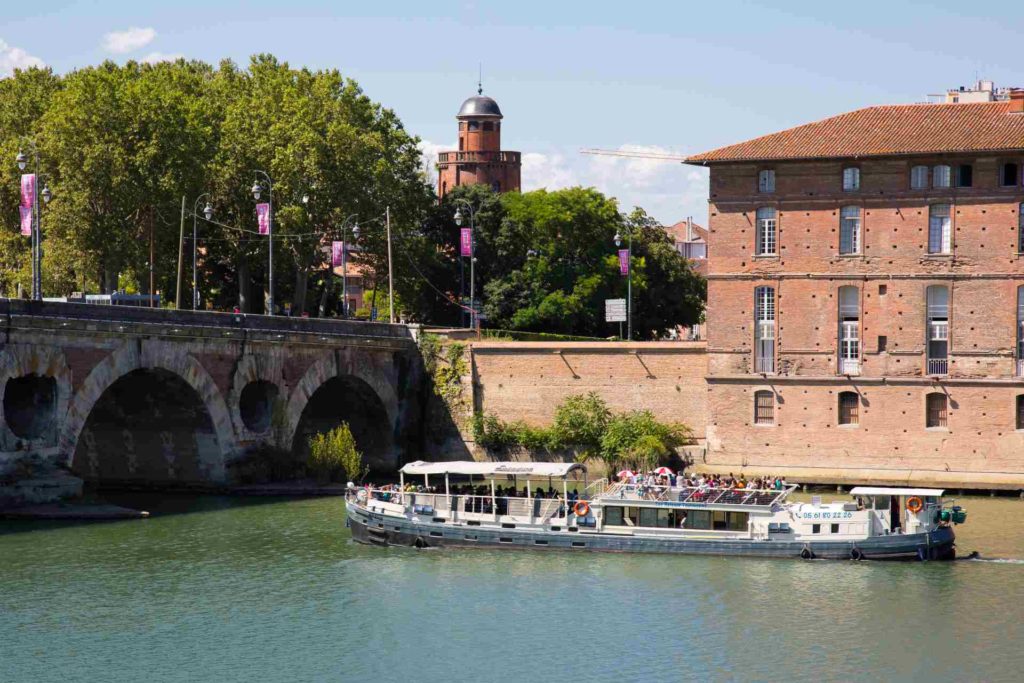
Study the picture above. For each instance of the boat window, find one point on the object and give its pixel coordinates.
(648, 517)
(835, 528)
(632, 517)
(504, 540)
(579, 544)
(666, 518)
(738, 521)
(719, 520)
(539, 541)
(436, 534)
(698, 519)
(613, 516)
(815, 528)
(882, 503)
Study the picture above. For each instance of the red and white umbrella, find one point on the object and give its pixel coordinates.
(663, 472)
(625, 474)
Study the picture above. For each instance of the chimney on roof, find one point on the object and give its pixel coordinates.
(1017, 101)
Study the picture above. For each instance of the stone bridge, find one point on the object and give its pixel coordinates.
(121, 394)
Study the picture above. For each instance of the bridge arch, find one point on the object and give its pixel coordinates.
(346, 386)
(256, 385)
(186, 378)
(35, 383)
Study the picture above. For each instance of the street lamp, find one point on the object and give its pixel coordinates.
(629, 281)
(257, 192)
(22, 160)
(472, 256)
(344, 261)
(391, 283)
(208, 213)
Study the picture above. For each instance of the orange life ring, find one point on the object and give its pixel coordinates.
(581, 509)
(915, 504)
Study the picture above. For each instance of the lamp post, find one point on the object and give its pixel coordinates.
(37, 251)
(629, 281)
(391, 282)
(257, 191)
(344, 261)
(208, 213)
(472, 255)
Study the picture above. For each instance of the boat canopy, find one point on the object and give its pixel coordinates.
(491, 469)
(886, 491)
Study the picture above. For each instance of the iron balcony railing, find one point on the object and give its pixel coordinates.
(938, 366)
(478, 157)
(849, 366)
(765, 364)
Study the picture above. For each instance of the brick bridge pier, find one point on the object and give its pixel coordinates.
(122, 394)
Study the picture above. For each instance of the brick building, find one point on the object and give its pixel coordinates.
(866, 296)
(479, 159)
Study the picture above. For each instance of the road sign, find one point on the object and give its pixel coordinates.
(615, 310)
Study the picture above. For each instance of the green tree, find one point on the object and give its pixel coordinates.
(333, 456)
(638, 439)
(580, 420)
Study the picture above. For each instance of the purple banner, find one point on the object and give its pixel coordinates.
(466, 241)
(337, 254)
(26, 220)
(263, 218)
(28, 189)
(624, 261)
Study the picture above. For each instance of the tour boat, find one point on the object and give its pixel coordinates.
(877, 523)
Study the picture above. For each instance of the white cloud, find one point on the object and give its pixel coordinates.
(154, 57)
(550, 171)
(129, 40)
(12, 58)
(429, 150)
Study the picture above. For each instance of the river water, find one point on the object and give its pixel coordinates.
(222, 589)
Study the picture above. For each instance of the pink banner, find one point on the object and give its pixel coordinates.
(337, 254)
(263, 218)
(26, 220)
(28, 189)
(466, 241)
(624, 261)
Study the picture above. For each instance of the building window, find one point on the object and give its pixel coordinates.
(474, 125)
(462, 144)
(766, 231)
(849, 408)
(488, 125)
(764, 408)
(940, 176)
(851, 179)
(766, 180)
(1020, 411)
(1008, 175)
(849, 331)
(1020, 332)
(964, 175)
(496, 186)
(938, 329)
(919, 177)
(936, 410)
(1020, 228)
(849, 230)
(939, 229)
(764, 329)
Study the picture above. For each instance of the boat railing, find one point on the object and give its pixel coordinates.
(455, 507)
(597, 488)
(705, 495)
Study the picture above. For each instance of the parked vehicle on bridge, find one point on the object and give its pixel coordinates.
(879, 523)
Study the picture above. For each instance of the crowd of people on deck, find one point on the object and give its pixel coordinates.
(475, 498)
(654, 480)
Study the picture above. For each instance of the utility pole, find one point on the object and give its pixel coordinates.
(181, 254)
(152, 256)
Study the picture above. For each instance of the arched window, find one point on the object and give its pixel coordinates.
(1020, 411)
(1020, 331)
(766, 232)
(939, 229)
(938, 329)
(936, 410)
(851, 179)
(919, 177)
(849, 230)
(849, 331)
(764, 408)
(849, 408)
(941, 176)
(764, 329)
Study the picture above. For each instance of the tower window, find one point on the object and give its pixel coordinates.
(474, 125)
(851, 179)
(766, 180)
(488, 125)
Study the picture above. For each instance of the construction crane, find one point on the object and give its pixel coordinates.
(637, 155)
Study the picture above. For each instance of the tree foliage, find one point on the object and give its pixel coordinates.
(333, 456)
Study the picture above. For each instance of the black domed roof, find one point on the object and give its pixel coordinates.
(479, 105)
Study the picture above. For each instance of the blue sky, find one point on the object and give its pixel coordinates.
(675, 77)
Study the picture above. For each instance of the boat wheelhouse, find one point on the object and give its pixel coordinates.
(877, 522)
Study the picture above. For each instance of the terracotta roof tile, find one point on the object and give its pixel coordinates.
(887, 131)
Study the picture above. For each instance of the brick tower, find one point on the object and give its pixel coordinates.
(479, 159)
